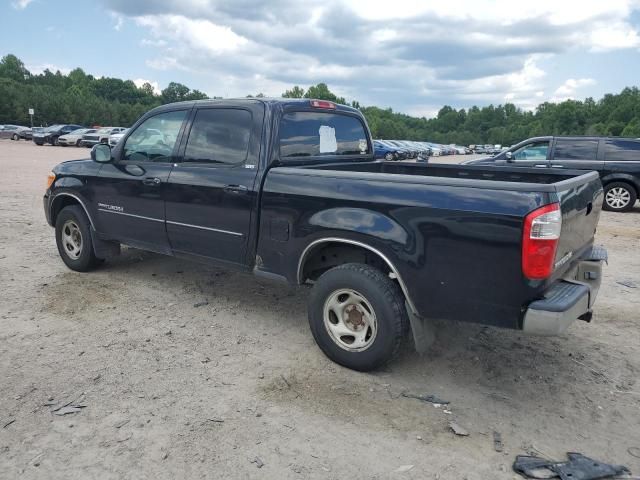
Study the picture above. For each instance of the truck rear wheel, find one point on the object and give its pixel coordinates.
(73, 238)
(357, 316)
(619, 197)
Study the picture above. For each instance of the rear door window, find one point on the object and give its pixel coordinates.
(219, 136)
(311, 134)
(576, 149)
(622, 150)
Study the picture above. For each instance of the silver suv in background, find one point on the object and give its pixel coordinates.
(115, 137)
(75, 137)
(100, 136)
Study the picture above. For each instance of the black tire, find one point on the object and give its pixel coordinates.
(386, 301)
(86, 259)
(615, 196)
(78, 143)
(54, 141)
(15, 137)
(388, 156)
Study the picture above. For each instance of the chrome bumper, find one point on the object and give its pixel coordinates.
(568, 299)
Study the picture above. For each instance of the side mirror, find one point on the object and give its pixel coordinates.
(101, 153)
(509, 156)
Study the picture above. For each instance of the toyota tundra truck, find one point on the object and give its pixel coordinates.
(289, 190)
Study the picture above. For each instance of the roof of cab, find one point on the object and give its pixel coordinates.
(272, 103)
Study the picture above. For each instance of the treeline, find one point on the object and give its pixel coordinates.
(77, 97)
(83, 99)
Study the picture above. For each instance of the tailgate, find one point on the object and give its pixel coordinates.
(580, 203)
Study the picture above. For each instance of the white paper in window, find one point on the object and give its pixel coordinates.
(328, 143)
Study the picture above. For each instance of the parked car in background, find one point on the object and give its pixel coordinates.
(26, 134)
(381, 150)
(99, 136)
(616, 159)
(436, 150)
(114, 138)
(75, 137)
(409, 153)
(14, 132)
(53, 133)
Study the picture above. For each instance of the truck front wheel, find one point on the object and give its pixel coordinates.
(73, 238)
(357, 316)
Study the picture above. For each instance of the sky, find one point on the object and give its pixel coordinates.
(411, 55)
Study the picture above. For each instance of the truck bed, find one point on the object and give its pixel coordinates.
(532, 179)
(454, 231)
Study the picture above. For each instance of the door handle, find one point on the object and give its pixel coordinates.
(236, 189)
(541, 165)
(151, 181)
(557, 166)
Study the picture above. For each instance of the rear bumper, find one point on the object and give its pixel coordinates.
(568, 299)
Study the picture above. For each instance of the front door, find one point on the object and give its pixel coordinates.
(534, 154)
(211, 194)
(130, 194)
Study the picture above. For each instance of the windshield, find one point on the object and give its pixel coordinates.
(105, 130)
(79, 131)
(52, 128)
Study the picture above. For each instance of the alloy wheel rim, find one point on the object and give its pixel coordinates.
(72, 239)
(350, 320)
(618, 197)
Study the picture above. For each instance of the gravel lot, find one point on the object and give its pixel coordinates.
(174, 387)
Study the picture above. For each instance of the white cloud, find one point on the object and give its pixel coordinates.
(141, 81)
(613, 36)
(118, 21)
(571, 85)
(40, 68)
(411, 54)
(21, 4)
(194, 33)
(567, 90)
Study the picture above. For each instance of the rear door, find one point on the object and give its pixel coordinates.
(577, 153)
(622, 155)
(130, 192)
(211, 195)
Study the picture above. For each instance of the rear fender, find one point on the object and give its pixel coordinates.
(361, 221)
(622, 177)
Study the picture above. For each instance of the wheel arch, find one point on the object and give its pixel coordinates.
(349, 248)
(62, 200)
(622, 177)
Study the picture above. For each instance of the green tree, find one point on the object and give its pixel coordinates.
(295, 92)
(12, 67)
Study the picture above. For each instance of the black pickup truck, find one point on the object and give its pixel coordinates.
(290, 190)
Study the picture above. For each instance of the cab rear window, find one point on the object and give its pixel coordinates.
(311, 134)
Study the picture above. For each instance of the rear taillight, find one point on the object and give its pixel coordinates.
(540, 241)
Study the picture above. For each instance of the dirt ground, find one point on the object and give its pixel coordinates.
(185, 371)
